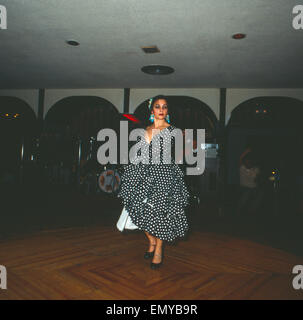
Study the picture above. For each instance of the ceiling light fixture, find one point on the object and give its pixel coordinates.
(157, 69)
(239, 36)
(73, 43)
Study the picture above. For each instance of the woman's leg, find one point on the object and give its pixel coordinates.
(152, 241)
(158, 251)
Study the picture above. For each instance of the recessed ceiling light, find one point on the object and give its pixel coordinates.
(239, 36)
(73, 43)
(157, 69)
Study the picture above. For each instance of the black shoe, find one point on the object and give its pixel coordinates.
(148, 255)
(156, 265)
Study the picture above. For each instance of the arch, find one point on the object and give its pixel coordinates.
(269, 125)
(185, 112)
(83, 115)
(13, 105)
(18, 125)
(73, 118)
(267, 111)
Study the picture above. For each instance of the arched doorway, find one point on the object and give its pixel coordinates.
(18, 125)
(81, 116)
(272, 127)
(71, 122)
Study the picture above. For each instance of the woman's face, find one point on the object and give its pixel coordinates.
(160, 109)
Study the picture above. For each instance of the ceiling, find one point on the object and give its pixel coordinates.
(194, 37)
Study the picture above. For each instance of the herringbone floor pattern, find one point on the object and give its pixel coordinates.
(102, 263)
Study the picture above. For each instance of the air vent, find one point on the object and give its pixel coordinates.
(150, 49)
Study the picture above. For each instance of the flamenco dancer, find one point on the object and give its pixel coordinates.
(155, 195)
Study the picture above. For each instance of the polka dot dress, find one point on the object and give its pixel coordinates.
(154, 192)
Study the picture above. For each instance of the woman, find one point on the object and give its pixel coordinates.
(155, 194)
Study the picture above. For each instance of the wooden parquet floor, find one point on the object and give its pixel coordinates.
(103, 263)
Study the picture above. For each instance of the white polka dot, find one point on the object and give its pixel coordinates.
(163, 185)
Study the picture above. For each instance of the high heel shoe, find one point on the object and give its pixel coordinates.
(148, 255)
(156, 265)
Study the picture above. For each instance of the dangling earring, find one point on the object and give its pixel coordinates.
(151, 118)
(167, 118)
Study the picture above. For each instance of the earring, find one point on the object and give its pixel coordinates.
(167, 118)
(151, 118)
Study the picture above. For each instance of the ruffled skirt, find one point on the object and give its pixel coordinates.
(163, 213)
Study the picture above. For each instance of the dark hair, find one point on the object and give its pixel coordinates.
(150, 106)
(155, 98)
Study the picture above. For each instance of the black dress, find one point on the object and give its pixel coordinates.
(155, 194)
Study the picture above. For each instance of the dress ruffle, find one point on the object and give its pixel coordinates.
(163, 214)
